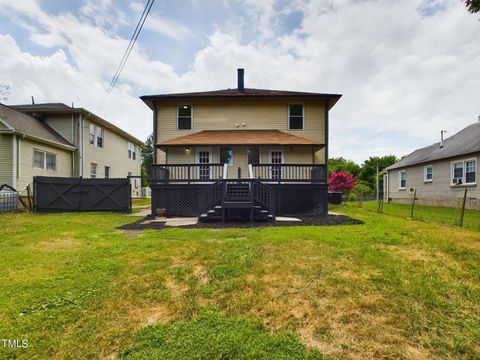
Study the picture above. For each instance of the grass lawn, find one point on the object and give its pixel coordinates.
(76, 287)
(442, 215)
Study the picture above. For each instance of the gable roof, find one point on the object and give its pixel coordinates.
(247, 93)
(31, 127)
(239, 137)
(466, 141)
(61, 108)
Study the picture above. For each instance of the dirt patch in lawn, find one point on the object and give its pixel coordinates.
(328, 220)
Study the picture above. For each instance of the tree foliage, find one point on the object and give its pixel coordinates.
(340, 164)
(368, 173)
(147, 157)
(473, 5)
(341, 182)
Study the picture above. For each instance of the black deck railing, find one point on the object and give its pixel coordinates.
(288, 172)
(263, 195)
(186, 173)
(211, 196)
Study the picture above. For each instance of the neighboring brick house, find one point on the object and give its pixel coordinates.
(440, 172)
(269, 135)
(58, 140)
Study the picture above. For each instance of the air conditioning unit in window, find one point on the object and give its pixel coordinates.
(456, 181)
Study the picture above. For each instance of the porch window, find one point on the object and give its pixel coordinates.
(253, 155)
(295, 117)
(184, 117)
(226, 155)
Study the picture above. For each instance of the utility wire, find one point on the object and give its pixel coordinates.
(129, 48)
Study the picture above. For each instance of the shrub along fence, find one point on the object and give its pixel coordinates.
(55, 194)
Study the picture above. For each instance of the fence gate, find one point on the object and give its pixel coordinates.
(77, 194)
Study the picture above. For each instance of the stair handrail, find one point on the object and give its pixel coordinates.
(264, 194)
(210, 196)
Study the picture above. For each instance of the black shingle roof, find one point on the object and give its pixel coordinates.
(467, 141)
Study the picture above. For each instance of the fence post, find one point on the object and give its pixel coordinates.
(462, 214)
(413, 202)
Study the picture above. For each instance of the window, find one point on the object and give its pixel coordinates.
(295, 117)
(95, 135)
(428, 173)
(402, 179)
(44, 160)
(91, 135)
(253, 155)
(93, 170)
(226, 155)
(132, 151)
(107, 172)
(184, 117)
(464, 172)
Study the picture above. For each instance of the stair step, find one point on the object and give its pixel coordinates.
(204, 216)
(211, 212)
(218, 207)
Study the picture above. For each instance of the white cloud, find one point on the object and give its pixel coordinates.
(404, 75)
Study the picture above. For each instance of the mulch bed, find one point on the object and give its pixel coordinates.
(306, 221)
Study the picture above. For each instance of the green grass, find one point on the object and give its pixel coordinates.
(136, 202)
(442, 215)
(76, 287)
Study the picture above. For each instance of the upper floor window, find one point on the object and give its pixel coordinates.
(295, 117)
(464, 172)
(132, 152)
(428, 173)
(402, 179)
(184, 117)
(95, 136)
(44, 160)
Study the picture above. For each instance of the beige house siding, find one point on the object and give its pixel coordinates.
(6, 159)
(113, 154)
(439, 192)
(253, 114)
(26, 171)
(64, 125)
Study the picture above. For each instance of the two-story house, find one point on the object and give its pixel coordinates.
(58, 140)
(245, 143)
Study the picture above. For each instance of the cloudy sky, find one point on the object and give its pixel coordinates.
(407, 69)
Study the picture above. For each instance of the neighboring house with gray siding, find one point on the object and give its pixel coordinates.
(74, 142)
(440, 172)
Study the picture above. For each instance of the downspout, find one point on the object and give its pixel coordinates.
(81, 144)
(14, 162)
(154, 132)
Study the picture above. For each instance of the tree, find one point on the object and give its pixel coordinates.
(4, 91)
(473, 5)
(147, 158)
(340, 164)
(341, 182)
(368, 173)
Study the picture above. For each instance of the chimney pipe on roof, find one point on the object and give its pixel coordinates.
(240, 75)
(441, 137)
(478, 118)
(33, 101)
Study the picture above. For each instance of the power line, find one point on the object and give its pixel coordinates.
(129, 48)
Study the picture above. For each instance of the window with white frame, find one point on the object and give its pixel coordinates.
(93, 170)
(184, 117)
(95, 135)
(132, 151)
(402, 179)
(44, 160)
(295, 117)
(464, 172)
(107, 172)
(428, 173)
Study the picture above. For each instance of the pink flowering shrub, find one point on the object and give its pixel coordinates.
(341, 182)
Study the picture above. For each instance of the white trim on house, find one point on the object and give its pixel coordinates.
(400, 173)
(303, 116)
(463, 181)
(425, 178)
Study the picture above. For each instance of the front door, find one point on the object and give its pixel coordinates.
(276, 159)
(204, 156)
